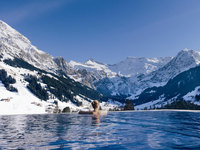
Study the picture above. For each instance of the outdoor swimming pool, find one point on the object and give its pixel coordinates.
(117, 130)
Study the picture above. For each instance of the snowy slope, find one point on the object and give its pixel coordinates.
(93, 66)
(183, 61)
(184, 86)
(133, 75)
(135, 84)
(115, 79)
(14, 44)
(23, 101)
(127, 78)
(133, 66)
(20, 59)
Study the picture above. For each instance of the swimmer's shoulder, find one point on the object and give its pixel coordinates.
(103, 112)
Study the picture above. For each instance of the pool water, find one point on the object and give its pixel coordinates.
(117, 130)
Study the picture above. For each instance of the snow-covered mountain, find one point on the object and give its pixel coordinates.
(133, 66)
(94, 66)
(132, 82)
(32, 81)
(133, 75)
(183, 61)
(36, 82)
(184, 86)
(13, 44)
(117, 79)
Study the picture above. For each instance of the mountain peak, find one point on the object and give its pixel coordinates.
(13, 37)
(188, 51)
(2, 23)
(5, 29)
(91, 61)
(139, 65)
(188, 54)
(183, 61)
(185, 49)
(15, 45)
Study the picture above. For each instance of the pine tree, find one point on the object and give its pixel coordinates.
(128, 105)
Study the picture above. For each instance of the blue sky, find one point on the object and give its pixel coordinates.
(106, 30)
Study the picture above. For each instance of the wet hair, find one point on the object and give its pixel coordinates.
(95, 104)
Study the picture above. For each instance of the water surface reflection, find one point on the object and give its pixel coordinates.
(117, 130)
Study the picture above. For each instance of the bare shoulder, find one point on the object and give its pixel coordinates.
(103, 112)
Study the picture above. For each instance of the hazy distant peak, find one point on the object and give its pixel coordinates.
(139, 65)
(187, 54)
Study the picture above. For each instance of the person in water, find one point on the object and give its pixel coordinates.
(96, 106)
(97, 112)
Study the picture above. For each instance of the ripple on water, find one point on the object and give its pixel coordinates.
(117, 130)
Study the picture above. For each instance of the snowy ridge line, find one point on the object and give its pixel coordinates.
(126, 79)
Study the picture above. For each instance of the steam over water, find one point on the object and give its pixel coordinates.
(117, 130)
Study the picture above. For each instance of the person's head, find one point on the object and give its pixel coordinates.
(95, 104)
